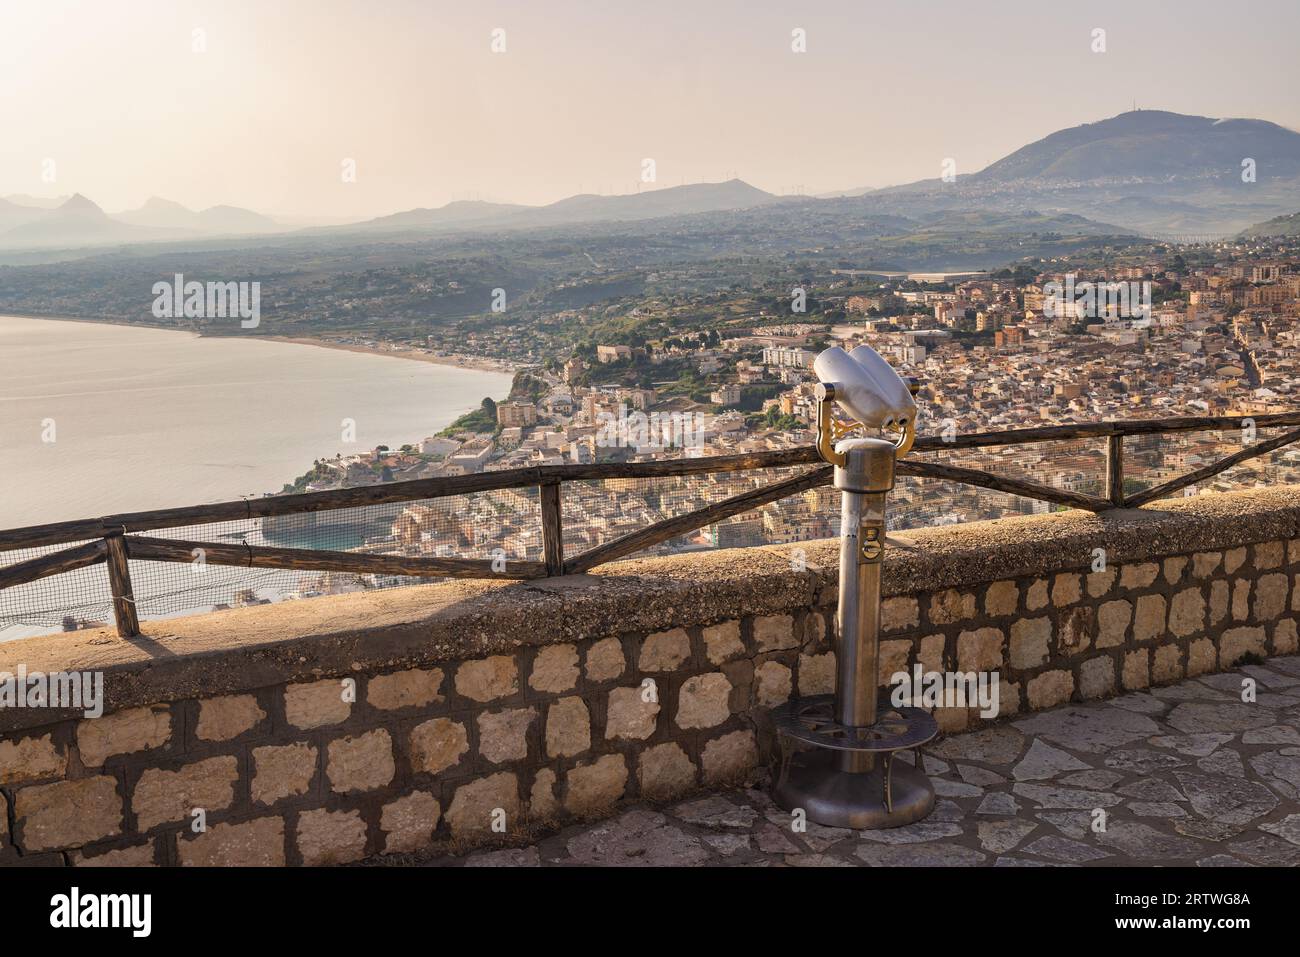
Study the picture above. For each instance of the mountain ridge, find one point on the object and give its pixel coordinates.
(1284, 225)
(1153, 172)
(1149, 143)
(157, 212)
(681, 200)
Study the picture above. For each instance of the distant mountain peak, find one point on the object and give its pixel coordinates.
(1151, 145)
(77, 203)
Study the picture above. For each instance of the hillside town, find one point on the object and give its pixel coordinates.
(1064, 343)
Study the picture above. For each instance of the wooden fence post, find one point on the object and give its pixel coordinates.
(552, 529)
(1115, 470)
(119, 579)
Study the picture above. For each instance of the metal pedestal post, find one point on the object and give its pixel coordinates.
(846, 775)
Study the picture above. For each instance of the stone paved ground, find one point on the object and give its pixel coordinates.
(1186, 774)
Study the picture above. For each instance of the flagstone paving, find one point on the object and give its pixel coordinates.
(1188, 774)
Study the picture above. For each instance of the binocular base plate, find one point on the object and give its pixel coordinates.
(890, 795)
(844, 776)
(812, 721)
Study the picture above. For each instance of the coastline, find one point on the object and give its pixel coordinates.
(476, 363)
(216, 451)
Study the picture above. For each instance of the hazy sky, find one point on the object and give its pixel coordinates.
(114, 93)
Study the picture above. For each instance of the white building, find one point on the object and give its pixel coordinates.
(786, 357)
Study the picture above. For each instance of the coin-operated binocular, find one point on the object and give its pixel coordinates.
(838, 750)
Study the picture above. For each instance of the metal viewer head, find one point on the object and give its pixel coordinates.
(866, 387)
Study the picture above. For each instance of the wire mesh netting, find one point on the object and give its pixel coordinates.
(599, 511)
(1152, 460)
(75, 599)
(505, 524)
(1079, 465)
(502, 524)
(1069, 466)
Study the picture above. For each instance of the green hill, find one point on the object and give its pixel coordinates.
(1288, 225)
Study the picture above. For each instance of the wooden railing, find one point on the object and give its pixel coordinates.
(111, 540)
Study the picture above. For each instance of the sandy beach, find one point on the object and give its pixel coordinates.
(478, 363)
(463, 362)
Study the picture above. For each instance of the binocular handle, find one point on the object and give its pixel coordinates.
(825, 393)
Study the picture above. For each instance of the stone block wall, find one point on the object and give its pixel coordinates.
(334, 769)
(1082, 635)
(330, 730)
